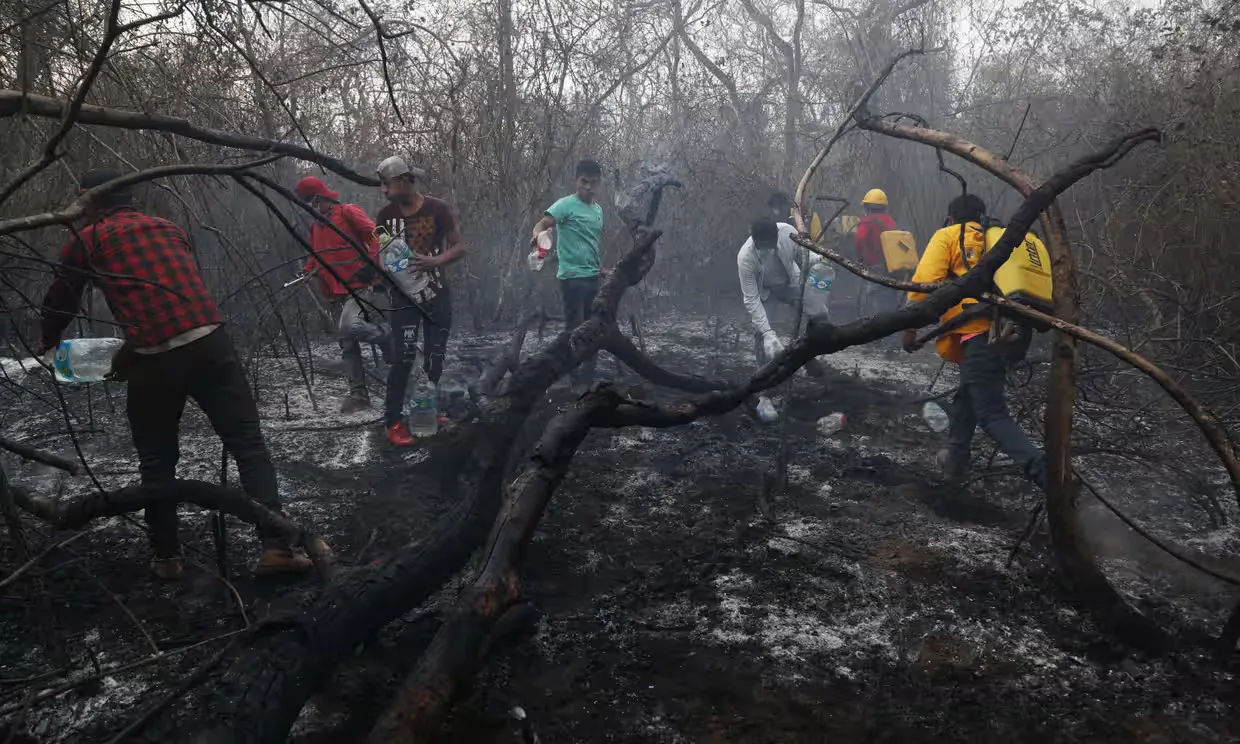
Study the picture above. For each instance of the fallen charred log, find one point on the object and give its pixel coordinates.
(453, 658)
(72, 513)
(266, 689)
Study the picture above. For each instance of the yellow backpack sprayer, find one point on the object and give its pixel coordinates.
(1024, 278)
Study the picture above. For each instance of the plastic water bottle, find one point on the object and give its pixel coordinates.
(423, 417)
(766, 410)
(818, 287)
(936, 418)
(85, 359)
(397, 260)
(828, 425)
(540, 251)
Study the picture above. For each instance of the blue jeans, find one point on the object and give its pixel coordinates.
(980, 401)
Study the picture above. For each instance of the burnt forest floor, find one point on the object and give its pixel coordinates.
(875, 607)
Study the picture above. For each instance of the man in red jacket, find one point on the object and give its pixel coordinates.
(174, 349)
(343, 276)
(869, 247)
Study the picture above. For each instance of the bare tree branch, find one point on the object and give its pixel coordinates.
(14, 102)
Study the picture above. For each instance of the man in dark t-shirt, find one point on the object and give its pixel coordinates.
(434, 237)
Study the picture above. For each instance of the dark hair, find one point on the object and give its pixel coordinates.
(99, 176)
(779, 200)
(764, 230)
(966, 208)
(589, 169)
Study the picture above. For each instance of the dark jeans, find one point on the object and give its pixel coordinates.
(980, 401)
(435, 320)
(208, 371)
(578, 296)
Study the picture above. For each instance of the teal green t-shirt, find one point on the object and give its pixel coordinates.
(578, 227)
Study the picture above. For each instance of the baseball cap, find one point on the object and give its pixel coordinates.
(311, 186)
(396, 166)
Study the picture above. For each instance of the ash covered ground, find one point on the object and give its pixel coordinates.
(876, 606)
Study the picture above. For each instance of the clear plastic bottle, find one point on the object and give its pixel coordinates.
(423, 416)
(828, 425)
(397, 260)
(85, 359)
(540, 251)
(936, 418)
(818, 282)
(766, 410)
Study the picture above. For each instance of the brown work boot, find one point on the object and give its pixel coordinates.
(167, 569)
(277, 558)
(358, 400)
(320, 545)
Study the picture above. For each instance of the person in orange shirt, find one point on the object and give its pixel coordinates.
(983, 360)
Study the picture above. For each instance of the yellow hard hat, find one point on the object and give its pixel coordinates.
(875, 196)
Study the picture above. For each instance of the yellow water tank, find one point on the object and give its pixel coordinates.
(815, 227)
(1026, 276)
(847, 224)
(899, 250)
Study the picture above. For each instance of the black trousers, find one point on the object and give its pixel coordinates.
(208, 371)
(578, 296)
(435, 320)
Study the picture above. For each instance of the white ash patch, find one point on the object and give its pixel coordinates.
(972, 546)
(655, 728)
(788, 633)
(590, 562)
(350, 450)
(616, 515)
(911, 372)
(15, 369)
(652, 486)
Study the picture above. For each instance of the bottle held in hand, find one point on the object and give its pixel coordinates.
(397, 260)
(84, 359)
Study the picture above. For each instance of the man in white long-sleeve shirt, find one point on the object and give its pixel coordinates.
(769, 267)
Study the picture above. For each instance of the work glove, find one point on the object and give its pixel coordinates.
(771, 345)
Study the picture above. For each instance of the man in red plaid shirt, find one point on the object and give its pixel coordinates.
(174, 350)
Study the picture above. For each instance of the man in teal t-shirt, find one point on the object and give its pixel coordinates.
(578, 223)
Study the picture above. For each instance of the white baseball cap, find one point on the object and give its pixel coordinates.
(396, 166)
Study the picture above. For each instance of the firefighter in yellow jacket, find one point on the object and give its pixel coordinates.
(983, 361)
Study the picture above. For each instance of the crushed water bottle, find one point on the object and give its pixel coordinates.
(423, 416)
(540, 250)
(397, 260)
(828, 425)
(936, 418)
(85, 359)
(766, 410)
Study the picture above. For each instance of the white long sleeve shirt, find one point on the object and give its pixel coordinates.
(758, 276)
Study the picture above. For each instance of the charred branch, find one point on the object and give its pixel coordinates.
(74, 513)
(34, 454)
(14, 102)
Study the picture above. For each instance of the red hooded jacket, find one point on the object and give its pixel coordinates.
(335, 251)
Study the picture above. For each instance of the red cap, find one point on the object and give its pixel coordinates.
(311, 186)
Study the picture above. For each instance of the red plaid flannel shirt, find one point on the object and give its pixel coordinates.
(145, 267)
